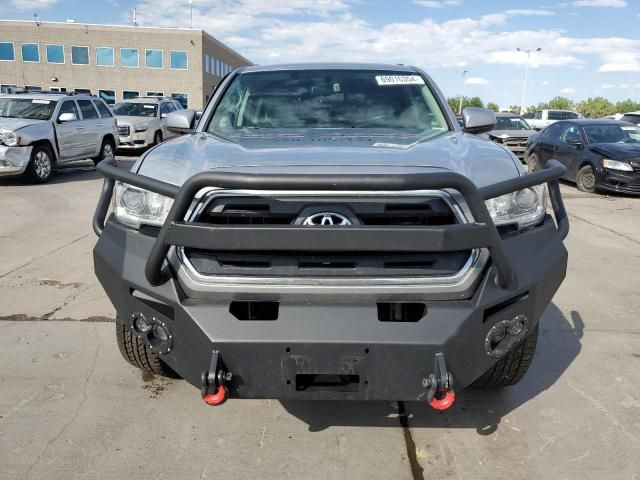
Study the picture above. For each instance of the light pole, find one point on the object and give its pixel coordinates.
(526, 74)
(191, 9)
(464, 74)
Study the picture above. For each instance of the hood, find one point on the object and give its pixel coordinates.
(512, 133)
(617, 151)
(482, 161)
(131, 121)
(16, 123)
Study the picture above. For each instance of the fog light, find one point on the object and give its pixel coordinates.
(141, 323)
(6, 163)
(160, 332)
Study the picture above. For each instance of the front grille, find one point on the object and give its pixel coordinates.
(258, 210)
(123, 130)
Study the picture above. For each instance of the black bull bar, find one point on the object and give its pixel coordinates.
(482, 233)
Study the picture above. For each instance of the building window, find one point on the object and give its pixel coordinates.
(104, 57)
(79, 55)
(155, 94)
(109, 96)
(206, 63)
(30, 52)
(153, 58)
(183, 98)
(129, 94)
(129, 57)
(179, 60)
(55, 53)
(6, 52)
(82, 91)
(32, 88)
(58, 89)
(7, 88)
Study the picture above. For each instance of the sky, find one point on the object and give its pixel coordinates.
(589, 47)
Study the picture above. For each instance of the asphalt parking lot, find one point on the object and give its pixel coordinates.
(70, 407)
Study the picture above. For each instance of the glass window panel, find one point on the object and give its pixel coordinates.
(103, 109)
(155, 94)
(129, 57)
(153, 58)
(87, 109)
(104, 57)
(30, 52)
(82, 91)
(6, 52)
(128, 94)
(80, 55)
(183, 98)
(55, 53)
(109, 96)
(178, 60)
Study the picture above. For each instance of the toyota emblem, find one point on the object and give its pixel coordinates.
(326, 218)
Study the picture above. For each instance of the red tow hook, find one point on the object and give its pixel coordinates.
(213, 382)
(218, 398)
(444, 402)
(440, 394)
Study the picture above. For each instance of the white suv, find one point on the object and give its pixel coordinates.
(40, 132)
(142, 121)
(544, 118)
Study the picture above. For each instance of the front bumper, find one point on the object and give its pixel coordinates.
(341, 337)
(135, 140)
(618, 181)
(14, 160)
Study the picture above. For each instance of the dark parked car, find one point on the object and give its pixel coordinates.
(631, 117)
(511, 131)
(598, 154)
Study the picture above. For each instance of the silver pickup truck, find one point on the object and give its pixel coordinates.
(40, 132)
(330, 232)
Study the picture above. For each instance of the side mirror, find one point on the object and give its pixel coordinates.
(478, 120)
(163, 115)
(67, 117)
(181, 121)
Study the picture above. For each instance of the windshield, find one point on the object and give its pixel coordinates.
(612, 133)
(511, 123)
(33, 109)
(328, 99)
(631, 118)
(131, 109)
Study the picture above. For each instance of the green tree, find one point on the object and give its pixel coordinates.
(493, 106)
(596, 107)
(515, 108)
(454, 103)
(560, 103)
(627, 105)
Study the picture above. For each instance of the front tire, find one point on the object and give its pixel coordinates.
(586, 179)
(138, 354)
(107, 150)
(40, 165)
(510, 369)
(157, 138)
(532, 162)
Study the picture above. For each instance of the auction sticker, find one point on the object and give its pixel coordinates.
(399, 80)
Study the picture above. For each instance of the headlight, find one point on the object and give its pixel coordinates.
(141, 128)
(133, 206)
(524, 207)
(495, 139)
(616, 165)
(9, 138)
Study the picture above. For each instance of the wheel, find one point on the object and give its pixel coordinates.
(107, 150)
(586, 179)
(510, 369)
(533, 162)
(41, 164)
(137, 354)
(157, 138)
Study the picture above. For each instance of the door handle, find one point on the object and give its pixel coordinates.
(100, 124)
(79, 128)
